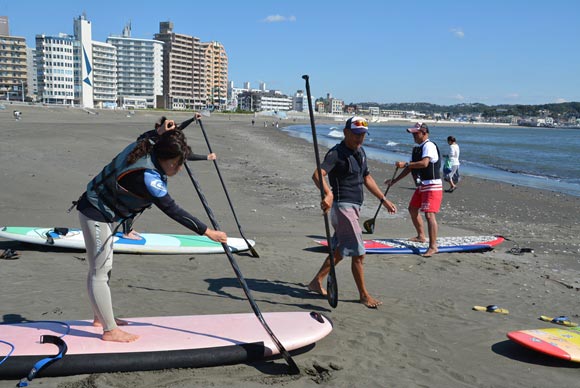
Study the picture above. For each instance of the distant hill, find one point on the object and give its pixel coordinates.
(560, 110)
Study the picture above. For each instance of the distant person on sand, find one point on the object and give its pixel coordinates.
(347, 170)
(134, 180)
(425, 166)
(453, 176)
(17, 115)
(161, 126)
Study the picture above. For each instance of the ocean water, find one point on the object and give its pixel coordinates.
(544, 158)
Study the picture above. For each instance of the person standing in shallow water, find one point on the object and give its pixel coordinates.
(425, 166)
(134, 180)
(346, 167)
(453, 176)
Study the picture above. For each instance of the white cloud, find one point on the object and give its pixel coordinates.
(279, 19)
(458, 32)
(459, 97)
(560, 100)
(513, 96)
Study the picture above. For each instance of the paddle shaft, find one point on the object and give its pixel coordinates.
(254, 253)
(332, 283)
(385, 194)
(293, 367)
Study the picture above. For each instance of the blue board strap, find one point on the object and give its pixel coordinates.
(62, 349)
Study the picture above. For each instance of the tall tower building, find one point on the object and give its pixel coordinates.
(84, 71)
(182, 70)
(195, 73)
(4, 26)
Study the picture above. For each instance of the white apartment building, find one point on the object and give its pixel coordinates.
(300, 101)
(104, 75)
(55, 69)
(139, 71)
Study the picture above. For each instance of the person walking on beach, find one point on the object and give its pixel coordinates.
(134, 180)
(425, 166)
(453, 176)
(161, 126)
(346, 167)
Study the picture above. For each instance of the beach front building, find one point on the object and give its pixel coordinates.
(83, 64)
(13, 69)
(216, 75)
(257, 101)
(32, 77)
(139, 71)
(104, 75)
(55, 65)
(183, 70)
(300, 101)
(194, 73)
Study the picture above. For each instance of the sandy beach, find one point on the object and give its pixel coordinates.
(424, 335)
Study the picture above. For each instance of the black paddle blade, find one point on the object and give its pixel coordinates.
(253, 251)
(369, 226)
(332, 290)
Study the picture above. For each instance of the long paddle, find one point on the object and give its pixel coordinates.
(252, 250)
(331, 284)
(293, 368)
(369, 225)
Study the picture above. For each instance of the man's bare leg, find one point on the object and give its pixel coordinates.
(418, 224)
(432, 227)
(359, 278)
(316, 284)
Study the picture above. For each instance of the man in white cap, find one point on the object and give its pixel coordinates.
(347, 170)
(425, 166)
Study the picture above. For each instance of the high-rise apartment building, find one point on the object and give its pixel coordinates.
(182, 69)
(139, 70)
(216, 75)
(195, 73)
(13, 70)
(104, 75)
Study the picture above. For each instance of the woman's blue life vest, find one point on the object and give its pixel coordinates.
(347, 176)
(432, 171)
(106, 194)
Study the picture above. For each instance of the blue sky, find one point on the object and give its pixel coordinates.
(442, 52)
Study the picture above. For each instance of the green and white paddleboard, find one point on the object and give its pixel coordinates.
(151, 243)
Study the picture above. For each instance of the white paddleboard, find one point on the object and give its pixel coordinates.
(150, 243)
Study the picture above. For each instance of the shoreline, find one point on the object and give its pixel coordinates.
(425, 334)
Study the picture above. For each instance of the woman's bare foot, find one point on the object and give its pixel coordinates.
(418, 239)
(371, 302)
(430, 252)
(119, 322)
(315, 286)
(118, 335)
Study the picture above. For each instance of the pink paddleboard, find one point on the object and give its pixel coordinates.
(165, 342)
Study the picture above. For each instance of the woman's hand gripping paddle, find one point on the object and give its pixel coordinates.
(369, 225)
(182, 126)
(331, 284)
